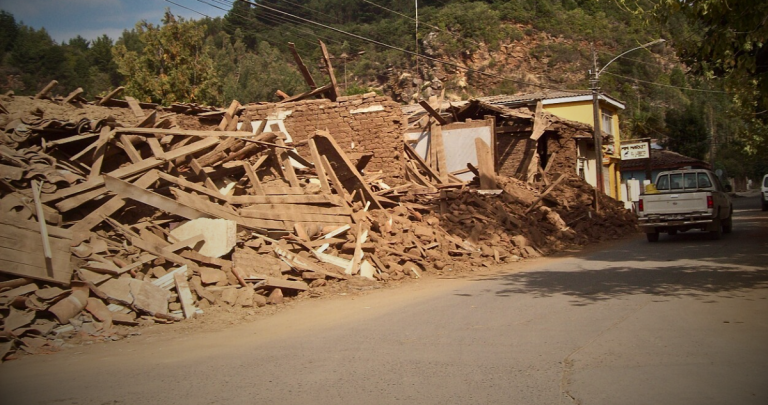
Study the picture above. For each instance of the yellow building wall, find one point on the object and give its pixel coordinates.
(581, 111)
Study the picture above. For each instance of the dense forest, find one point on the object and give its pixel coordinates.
(704, 92)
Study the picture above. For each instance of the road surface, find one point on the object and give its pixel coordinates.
(682, 321)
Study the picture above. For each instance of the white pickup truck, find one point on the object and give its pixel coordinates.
(686, 199)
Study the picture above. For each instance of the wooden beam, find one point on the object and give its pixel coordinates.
(547, 191)
(130, 170)
(307, 94)
(110, 95)
(321, 175)
(253, 178)
(72, 95)
(129, 149)
(290, 174)
(192, 186)
(101, 148)
(421, 163)
(485, 165)
(287, 199)
(44, 92)
(128, 190)
(302, 68)
(333, 93)
(344, 169)
(434, 114)
(182, 132)
(110, 207)
(135, 107)
(436, 143)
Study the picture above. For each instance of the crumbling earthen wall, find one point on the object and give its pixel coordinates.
(515, 150)
(360, 124)
(512, 153)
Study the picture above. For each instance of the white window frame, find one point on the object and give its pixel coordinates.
(607, 121)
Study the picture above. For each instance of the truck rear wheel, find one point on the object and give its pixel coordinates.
(728, 224)
(652, 237)
(718, 232)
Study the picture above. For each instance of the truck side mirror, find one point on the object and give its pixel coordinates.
(728, 188)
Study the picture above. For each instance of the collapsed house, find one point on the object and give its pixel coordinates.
(117, 214)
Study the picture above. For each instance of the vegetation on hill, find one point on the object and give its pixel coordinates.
(468, 48)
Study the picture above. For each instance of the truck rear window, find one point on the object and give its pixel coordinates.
(662, 183)
(690, 181)
(704, 181)
(676, 181)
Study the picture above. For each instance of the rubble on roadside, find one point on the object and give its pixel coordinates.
(117, 214)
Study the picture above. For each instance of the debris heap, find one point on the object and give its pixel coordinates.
(117, 214)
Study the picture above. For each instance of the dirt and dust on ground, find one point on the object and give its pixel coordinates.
(123, 216)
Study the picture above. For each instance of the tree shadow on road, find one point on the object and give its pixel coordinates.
(592, 286)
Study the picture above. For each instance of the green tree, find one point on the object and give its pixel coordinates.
(171, 67)
(687, 132)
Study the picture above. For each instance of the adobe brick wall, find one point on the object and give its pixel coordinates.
(513, 151)
(362, 123)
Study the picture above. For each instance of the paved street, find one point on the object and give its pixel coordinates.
(681, 321)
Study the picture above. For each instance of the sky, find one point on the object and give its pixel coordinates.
(66, 19)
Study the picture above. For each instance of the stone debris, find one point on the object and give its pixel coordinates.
(148, 215)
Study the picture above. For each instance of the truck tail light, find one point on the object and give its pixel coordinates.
(640, 205)
(710, 202)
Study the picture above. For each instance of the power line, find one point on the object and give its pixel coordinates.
(667, 85)
(444, 62)
(428, 25)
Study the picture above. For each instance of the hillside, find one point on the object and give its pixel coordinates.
(466, 49)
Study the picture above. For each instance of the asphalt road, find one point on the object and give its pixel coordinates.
(681, 321)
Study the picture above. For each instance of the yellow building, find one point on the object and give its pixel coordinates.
(577, 106)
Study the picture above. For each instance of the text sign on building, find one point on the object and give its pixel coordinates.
(637, 150)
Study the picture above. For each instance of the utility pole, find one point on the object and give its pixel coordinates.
(416, 37)
(597, 133)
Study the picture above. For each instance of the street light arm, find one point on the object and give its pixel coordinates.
(658, 41)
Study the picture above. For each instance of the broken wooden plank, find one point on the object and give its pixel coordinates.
(134, 106)
(185, 295)
(287, 199)
(101, 148)
(110, 207)
(110, 95)
(321, 175)
(214, 210)
(127, 190)
(297, 208)
(132, 169)
(547, 191)
(253, 178)
(130, 150)
(44, 92)
(41, 220)
(183, 132)
(302, 68)
(20, 255)
(485, 165)
(436, 143)
(71, 96)
(295, 216)
(349, 177)
(333, 92)
(434, 114)
(414, 156)
(320, 90)
(192, 186)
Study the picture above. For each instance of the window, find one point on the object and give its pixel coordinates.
(765, 182)
(608, 122)
(690, 181)
(662, 183)
(676, 181)
(704, 181)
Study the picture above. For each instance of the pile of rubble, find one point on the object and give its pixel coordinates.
(117, 214)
